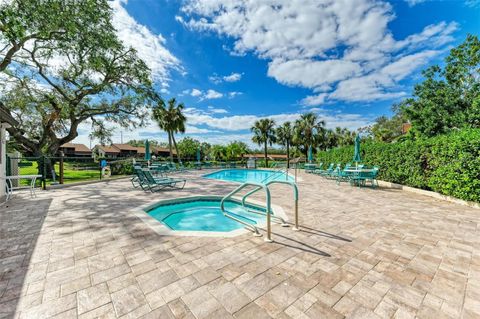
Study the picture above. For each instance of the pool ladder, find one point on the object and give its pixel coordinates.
(268, 208)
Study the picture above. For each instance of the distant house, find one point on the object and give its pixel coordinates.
(119, 151)
(273, 156)
(162, 151)
(75, 150)
(106, 151)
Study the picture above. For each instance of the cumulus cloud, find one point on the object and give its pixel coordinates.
(322, 45)
(411, 3)
(215, 110)
(212, 94)
(195, 92)
(233, 77)
(150, 47)
(245, 122)
(314, 100)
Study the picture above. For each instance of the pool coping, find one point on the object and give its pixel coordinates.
(163, 230)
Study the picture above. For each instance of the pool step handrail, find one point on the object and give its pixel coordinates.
(277, 171)
(268, 209)
(295, 197)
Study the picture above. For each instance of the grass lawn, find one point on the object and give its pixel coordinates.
(73, 172)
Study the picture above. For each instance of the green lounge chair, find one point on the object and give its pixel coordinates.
(155, 184)
(139, 180)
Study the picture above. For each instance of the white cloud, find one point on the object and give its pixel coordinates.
(411, 3)
(212, 94)
(233, 77)
(215, 110)
(206, 95)
(322, 45)
(314, 100)
(150, 46)
(196, 92)
(234, 94)
(245, 122)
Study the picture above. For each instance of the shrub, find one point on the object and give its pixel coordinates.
(124, 167)
(448, 164)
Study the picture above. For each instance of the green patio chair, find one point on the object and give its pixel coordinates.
(334, 172)
(362, 178)
(156, 184)
(139, 179)
(326, 172)
(343, 175)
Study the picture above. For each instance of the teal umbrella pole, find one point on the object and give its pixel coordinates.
(310, 154)
(148, 156)
(356, 155)
(198, 155)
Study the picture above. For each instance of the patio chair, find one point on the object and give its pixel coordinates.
(318, 170)
(326, 171)
(139, 179)
(155, 184)
(343, 175)
(334, 172)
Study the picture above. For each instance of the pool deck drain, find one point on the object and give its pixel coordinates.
(362, 253)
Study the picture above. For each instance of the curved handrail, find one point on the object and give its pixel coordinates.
(268, 208)
(295, 197)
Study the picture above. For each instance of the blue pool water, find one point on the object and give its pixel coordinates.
(247, 175)
(203, 215)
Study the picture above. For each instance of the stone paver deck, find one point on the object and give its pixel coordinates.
(362, 253)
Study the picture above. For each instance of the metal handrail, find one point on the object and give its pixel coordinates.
(267, 208)
(281, 170)
(295, 197)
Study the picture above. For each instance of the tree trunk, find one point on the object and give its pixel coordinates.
(170, 145)
(176, 148)
(288, 154)
(266, 155)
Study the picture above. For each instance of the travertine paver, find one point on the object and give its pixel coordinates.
(362, 253)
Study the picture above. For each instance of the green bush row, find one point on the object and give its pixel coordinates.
(448, 164)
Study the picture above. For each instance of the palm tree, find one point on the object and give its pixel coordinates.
(171, 120)
(264, 133)
(284, 137)
(308, 131)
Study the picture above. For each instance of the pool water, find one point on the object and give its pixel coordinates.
(247, 175)
(203, 215)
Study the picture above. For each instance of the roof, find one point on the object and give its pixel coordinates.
(125, 147)
(282, 156)
(108, 149)
(158, 149)
(78, 147)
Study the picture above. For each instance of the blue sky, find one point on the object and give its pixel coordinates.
(232, 62)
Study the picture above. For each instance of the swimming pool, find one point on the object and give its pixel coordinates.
(247, 175)
(204, 214)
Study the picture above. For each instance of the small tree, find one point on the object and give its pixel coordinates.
(172, 120)
(285, 135)
(264, 133)
(309, 131)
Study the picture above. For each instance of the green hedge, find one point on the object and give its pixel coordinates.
(447, 164)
